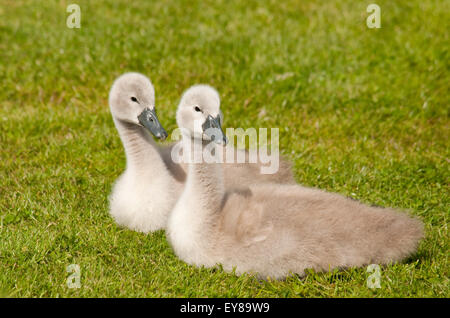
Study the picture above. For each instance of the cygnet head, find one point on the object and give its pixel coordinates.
(132, 100)
(199, 114)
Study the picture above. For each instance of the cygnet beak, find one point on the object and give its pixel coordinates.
(213, 129)
(149, 120)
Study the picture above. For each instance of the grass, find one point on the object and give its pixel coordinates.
(363, 112)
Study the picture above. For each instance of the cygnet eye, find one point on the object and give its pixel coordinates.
(134, 99)
(197, 109)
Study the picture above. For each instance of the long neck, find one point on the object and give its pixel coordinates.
(140, 148)
(205, 180)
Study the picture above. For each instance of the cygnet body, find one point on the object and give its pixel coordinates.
(275, 230)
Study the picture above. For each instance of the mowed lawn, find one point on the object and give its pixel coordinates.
(363, 112)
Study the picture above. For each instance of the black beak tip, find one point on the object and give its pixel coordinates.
(162, 136)
(221, 141)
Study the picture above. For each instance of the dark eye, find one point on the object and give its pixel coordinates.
(134, 99)
(197, 109)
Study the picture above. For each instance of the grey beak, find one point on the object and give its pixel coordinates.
(149, 120)
(213, 129)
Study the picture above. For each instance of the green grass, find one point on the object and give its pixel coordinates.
(363, 112)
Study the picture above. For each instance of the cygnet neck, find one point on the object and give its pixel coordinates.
(204, 179)
(140, 148)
